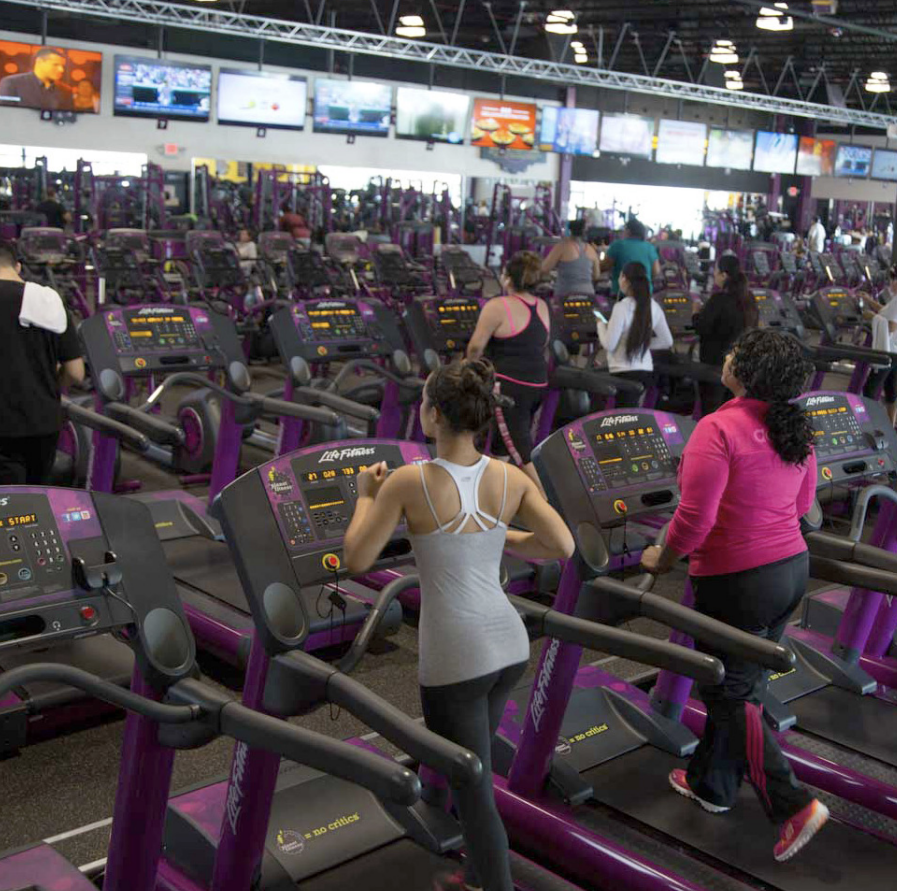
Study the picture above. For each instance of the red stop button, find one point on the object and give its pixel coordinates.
(88, 613)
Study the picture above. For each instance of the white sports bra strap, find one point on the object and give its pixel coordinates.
(468, 493)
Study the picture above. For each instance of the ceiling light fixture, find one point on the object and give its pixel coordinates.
(411, 26)
(774, 19)
(724, 53)
(878, 82)
(734, 81)
(561, 21)
(580, 58)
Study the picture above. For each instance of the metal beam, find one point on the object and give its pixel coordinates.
(218, 21)
(825, 21)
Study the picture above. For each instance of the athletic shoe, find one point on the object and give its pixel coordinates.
(679, 782)
(800, 829)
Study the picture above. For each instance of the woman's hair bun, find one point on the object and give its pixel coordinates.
(464, 393)
(524, 269)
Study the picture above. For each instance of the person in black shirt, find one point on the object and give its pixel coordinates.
(41, 354)
(728, 312)
(41, 87)
(55, 213)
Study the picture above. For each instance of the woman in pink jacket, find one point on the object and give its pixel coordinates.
(748, 475)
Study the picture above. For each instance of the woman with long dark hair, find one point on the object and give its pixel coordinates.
(748, 475)
(637, 325)
(730, 311)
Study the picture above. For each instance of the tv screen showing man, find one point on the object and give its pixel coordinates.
(49, 78)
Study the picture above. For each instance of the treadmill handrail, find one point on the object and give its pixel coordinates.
(79, 414)
(354, 365)
(864, 499)
(854, 575)
(284, 409)
(157, 429)
(719, 635)
(836, 547)
(338, 403)
(679, 368)
(569, 377)
(836, 352)
(618, 642)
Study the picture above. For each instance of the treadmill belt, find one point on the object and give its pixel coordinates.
(862, 723)
(840, 858)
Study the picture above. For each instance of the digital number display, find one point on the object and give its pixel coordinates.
(161, 330)
(314, 476)
(324, 497)
(835, 429)
(675, 301)
(457, 313)
(628, 453)
(17, 520)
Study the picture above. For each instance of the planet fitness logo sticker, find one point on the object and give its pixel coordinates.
(290, 842)
(279, 483)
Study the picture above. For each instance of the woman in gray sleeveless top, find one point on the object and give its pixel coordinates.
(576, 262)
(473, 645)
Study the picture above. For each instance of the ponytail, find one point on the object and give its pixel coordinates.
(638, 341)
(737, 286)
(772, 368)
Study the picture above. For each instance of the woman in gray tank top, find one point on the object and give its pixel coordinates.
(576, 262)
(473, 645)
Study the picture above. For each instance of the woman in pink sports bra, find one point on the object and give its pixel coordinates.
(512, 331)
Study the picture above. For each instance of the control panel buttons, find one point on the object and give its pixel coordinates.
(25, 574)
(620, 507)
(4, 578)
(331, 562)
(826, 473)
(88, 613)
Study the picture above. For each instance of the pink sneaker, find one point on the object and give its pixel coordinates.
(679, 782)
(800, 829)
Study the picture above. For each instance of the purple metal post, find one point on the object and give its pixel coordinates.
(548, 701)
(291, 429)
(250, 792)
(547, 413)
(140, 803)
(389, 424)
(882, 635)
(671, 692)
(101, 464)
(863, 607)
(227, 450)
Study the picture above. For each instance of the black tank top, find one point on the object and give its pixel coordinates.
(521, 357)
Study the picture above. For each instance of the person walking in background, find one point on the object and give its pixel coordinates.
(632, 248)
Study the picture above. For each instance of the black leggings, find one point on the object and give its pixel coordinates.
(27, 460)
(627, 400)
(737, 740)
(469, 714)
(513, 434)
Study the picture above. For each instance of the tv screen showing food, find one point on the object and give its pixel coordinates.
(500, 123)
(49, 78)
(162, 89)
(431, 115)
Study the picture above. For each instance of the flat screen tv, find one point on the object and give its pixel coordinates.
(732, 149)
(775, 152)
(49, 78)
(884, 165)
(262, 99)
(157, 88)
(500, 123)
(570, 131)
(431, 115)
(352, 107)
(853, 160)
(627, 134)
(816, 157)
(681, 142)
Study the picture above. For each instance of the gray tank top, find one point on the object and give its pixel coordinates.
(574, 276)
(468, 627)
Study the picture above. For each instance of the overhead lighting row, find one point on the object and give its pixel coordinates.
(878, 83)
(580, 55)
(724, 53)
(561, 21)
(411, 26)
(734, 81)
(774, 18)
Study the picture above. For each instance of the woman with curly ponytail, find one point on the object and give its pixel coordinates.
(748, 475)
(473, 645)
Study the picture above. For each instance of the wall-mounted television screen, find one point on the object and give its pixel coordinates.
(431, 115)
(49, 78)
(627, 134)
(570, 131)
(352, 106)
(500, 123)
(775, 152)
(261, 99)
(681, 142)
(732, 149)
(884, 165)
(158, 88)
(853, 160)
(816, 157)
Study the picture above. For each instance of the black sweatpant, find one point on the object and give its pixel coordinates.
(27, 460)
(469, 714)
(737, 740)
(645, 378)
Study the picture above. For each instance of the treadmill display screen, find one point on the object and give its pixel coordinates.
(458, 316)
(324, 498)
(627, 449)
(677, 306)
(335, 322)
(159, 330)
(835, 426)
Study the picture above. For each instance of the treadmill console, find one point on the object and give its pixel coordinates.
(837, 309)
(816, 264)
(853, 439)
(573, 318)
(613, 466)
(789, 262)
(163, 338)
(777, 311)
(285, 521)
(678, 308)
(324, 330)
(760, 262)
(442, 325)
(61, 553)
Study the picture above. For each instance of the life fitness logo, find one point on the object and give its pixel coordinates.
(341, 454)
(613, 420)
(819, 400)
(540, 696)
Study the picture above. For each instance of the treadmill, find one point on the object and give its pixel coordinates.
(184, 344)
(614, 746)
